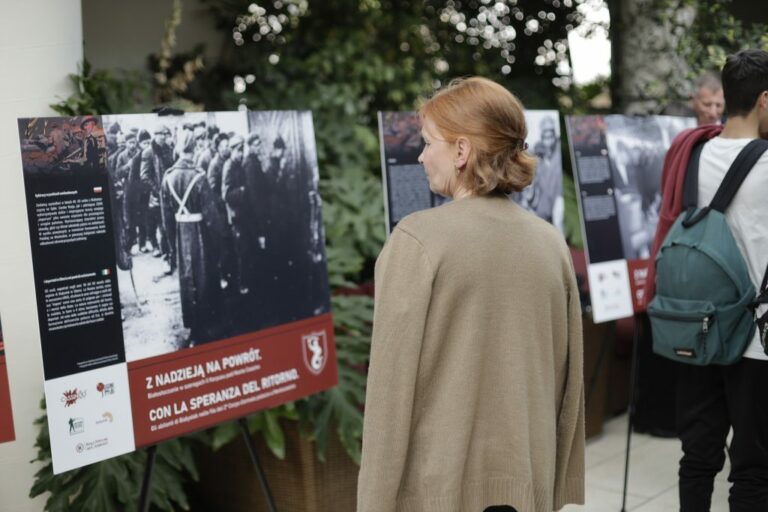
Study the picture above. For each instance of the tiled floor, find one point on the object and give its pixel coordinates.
(652, 473)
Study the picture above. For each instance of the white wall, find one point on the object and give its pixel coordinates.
(40, 44)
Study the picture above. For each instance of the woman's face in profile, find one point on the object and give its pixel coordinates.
(438, 158)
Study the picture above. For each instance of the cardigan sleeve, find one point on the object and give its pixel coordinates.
(569, 476)
(403, 278)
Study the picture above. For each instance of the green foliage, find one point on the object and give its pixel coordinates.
(400, 43)
(266, 423)
(105, 92)
(716, 32)
(114, 483)
(572, 219)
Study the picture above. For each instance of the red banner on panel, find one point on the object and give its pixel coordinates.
(6, 413)
(175, 394)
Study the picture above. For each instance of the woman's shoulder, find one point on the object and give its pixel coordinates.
(418, 218)
(466, 219)
(425, 224)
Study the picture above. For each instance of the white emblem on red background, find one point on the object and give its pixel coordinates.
(315, 349)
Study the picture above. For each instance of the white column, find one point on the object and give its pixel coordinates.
(40, 44)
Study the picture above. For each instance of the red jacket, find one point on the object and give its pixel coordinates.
(672, 180)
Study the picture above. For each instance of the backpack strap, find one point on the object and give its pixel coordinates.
(737, 172)
(691, 183)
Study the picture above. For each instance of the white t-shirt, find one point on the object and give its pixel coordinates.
(747, 216)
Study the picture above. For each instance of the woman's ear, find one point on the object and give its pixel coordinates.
(463, 149)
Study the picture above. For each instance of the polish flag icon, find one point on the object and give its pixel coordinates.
(98, 190)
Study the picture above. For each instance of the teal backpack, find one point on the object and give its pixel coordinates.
(704, 305)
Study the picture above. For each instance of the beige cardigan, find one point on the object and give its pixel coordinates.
(475, 389)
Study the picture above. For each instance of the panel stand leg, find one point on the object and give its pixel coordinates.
(146, 485)
(257, 465)
(631, 414)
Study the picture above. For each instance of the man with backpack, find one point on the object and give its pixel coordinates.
(706, 285)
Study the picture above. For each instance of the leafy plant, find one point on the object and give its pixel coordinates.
(572, 219)
(717, 32)
(716, 29)
(105, 92)
(266, 423)
(113, 484)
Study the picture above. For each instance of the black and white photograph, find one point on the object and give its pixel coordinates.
(217, 225)
(287, 240)
(544, 196)
(636, 149)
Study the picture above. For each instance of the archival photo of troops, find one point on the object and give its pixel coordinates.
(283, 248)
(544, 196)
(75, 145)
(208, 245)
(636, 149)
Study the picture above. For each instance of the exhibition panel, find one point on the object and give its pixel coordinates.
(617, 162)
(180, 273)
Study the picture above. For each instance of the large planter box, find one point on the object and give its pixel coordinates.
(299, 483)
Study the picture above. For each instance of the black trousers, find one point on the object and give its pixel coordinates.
(710, 401)
(655, 386)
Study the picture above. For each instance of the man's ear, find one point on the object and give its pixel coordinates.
(763, 100)
(463, 149)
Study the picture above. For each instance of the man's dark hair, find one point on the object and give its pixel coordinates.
(745, 77)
